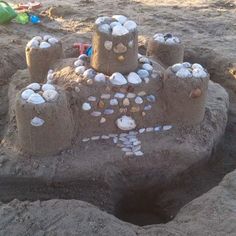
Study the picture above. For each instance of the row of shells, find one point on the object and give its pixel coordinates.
(42, 42)
(38, 94)
(188, 70)
(116, 25)
(116, 79)
(168, 39)
(128, 142)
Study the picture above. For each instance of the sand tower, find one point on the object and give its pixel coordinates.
(166, 48)
(115, 45)
(41, 54)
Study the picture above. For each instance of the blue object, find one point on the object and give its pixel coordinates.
(89, 51)
(34, 19)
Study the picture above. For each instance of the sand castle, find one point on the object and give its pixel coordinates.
(116, 94)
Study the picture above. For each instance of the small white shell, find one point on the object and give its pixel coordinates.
(48, 87)
(34, 86)
(36, 121)
(149, 129)
(170, 41)
(100, 77)
(138, 100)
(103, 120)
(118, 79)
(47, 37)
(131, 44)
(108, 111)
(53, 41)
(197, 66)
(96, 113)
(115, 23)
(44, 45)
(147, 80)
(139, 153)
(119, 30)
(38, 38)
(157, 128)
(33, 44)
(147, 67)
(134, 78)
(119, 95)
(199, 73)
(187, 64)
(130, 25)
(78, 62)
(142, 130)
(105, 28)
(50, 95)
(120, 18)
(105, 96)
(36, 98)
(166, 127)
(131, 95)
(26, 94)
(184, 73)
(176, 67)
(92, 99)
(101, 19)
(113, 102)
(159, 38)
(126, 123)
(143, 73)
(80, 70)
(86, 106)
(108, 45)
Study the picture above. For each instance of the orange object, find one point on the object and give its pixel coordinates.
(28, 6)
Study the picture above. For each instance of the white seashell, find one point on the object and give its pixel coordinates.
(131, 44)
(131, 95)
(187, 64)
(50, 95)
(125, 123)
(77, 89)
(136, 143)
(26, 94)
(125, 149)
(48, 87)
(44, 45)
(105, 137)
(80, 70)
(166, 127)
(134, 78)
(105, 96)
(100, 77)
(176, 39)
(103, 120)
(199, 73)
(143, 73)
(120, 18)
(89, 73)
(115, 23)
(47, 37)
(96, 113)
(147, 108)
(170, 41)
(35, 98)
(142, 93)
(151, 98)
(157, 128)
(38, 38)
(184, 73)
(130, 25)
(197, 66)
(83, 57)
(53, 41)
(138, 153)
(86, 106)
(144, 60)
(85, 139)
(92, 99)
(89, 81)
(146, 80)
(108, 45)
(119, 30)
(36, 121)
(108, 111)
(95, 138)
(34, 86)
(176, 67)
(105, 28)
(160, 39)
(101, 19)
(142, 130)
(133, 133)
(115, 140)
(129, 154)
(147, 67)
(149, 129)
(158, 35)
(119, 95)
(50, 76)
(118, 79)
(138, 100)
(33, 43)
(113, 102)
(136, 148)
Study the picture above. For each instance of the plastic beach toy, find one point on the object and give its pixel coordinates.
(34, 19)
(22, 18)
(6, 13)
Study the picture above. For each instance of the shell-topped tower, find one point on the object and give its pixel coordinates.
(115, 45)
